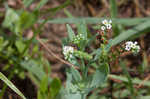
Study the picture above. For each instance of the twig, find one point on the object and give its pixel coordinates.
(57, 57)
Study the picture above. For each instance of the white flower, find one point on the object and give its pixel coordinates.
(108, 26)
(105, 22)
(135, 42)
(68, 51)
(103, 28)
(137, 48)
(132, 46)
(129, 43)
(127, 48)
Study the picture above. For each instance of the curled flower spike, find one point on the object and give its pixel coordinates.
(132, 46)
(106, 24)
(68, 52)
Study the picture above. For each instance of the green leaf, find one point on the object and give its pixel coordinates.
(113, 8)
(55, 87)
(39, 96)
(82, 29)
(10, 20)
(11, 85)
(20, 46)
(114, 12)
(65, 41)
(92, 20)
(75, 75)
(134, 80)
(26, 20)
(100, 76)
(44, 85)
(34, 67)
(27, 2)
(68, 14)
(71, 33)
(83, 55)
(41, 3)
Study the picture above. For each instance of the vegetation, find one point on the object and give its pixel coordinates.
(92, 51)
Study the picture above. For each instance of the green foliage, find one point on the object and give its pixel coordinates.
(92, 20)
(80, 84)
(83, 55)
(70, 33)
(10, 20)
(100, 75)
(55, 87)
(26, 20)
(134, 80)
(113, 8)
(21, 59)
(41, 3)
(11, 85)
(20, 46)
(34, 67)
(27, 2)
(15, 50)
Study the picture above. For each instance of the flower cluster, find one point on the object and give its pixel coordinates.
(68, 52)
(132, 46)
(106, 24)
(78, 38)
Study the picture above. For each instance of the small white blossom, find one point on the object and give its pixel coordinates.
(68, 51)
(107, 24)
(103, 28)
(135, 42)
(132, 46)
(138, 48)
(79, 38)
(129, 43)
(127, 48)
